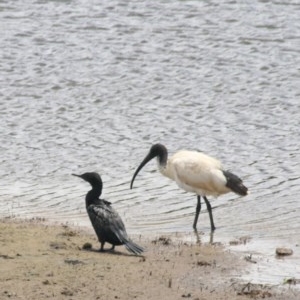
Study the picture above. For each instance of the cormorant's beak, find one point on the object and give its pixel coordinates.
(77, 175)
(143, 163)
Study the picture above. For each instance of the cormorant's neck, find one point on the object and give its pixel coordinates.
(93, 195)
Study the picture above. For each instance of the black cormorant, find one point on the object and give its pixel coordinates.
(107, 223)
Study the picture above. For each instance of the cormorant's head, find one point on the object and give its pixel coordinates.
(92, 177)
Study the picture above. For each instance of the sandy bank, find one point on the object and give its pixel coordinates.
(39, 261)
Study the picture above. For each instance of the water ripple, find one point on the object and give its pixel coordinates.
(90, 86)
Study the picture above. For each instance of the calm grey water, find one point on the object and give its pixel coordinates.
(90, 86)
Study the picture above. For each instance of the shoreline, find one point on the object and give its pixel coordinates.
(41, 261)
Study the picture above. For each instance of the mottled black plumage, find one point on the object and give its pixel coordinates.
(107, 223)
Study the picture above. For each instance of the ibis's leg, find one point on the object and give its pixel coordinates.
(112, 248)
(198, 209)
(198, 240)
(211, 238)
(212, 225)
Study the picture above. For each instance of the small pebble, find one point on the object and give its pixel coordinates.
(284, 251)
(87, 246)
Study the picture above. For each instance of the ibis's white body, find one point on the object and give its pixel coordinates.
(196, 172)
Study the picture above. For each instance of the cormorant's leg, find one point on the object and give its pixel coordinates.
(212, 225)
(102, 246)
(198, 209)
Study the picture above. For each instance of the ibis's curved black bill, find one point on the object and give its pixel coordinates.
(143, 163)
(157, 150)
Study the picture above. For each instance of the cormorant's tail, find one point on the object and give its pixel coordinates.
(134, 248)
(235, 184)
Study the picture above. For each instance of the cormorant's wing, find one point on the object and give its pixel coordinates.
(101, 202)
(106, 220)
(110, 227)
(106, 202)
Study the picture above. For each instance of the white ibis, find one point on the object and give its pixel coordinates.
(195, 172)
(107, 223)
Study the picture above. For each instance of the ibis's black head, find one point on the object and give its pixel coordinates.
(92, 177)
(157, 150)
